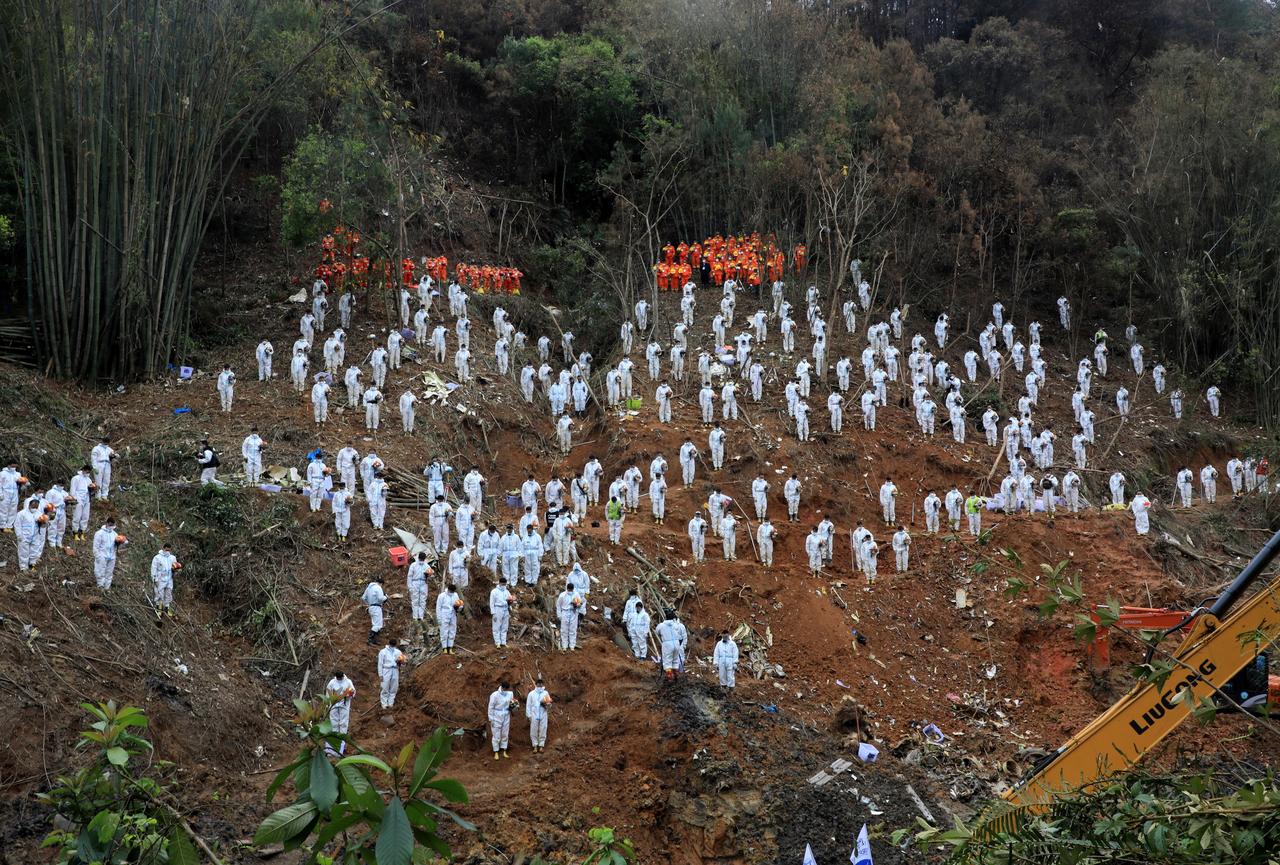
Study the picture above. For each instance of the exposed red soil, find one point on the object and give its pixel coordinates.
(689, 774)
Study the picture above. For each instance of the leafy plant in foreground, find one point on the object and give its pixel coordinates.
(368, 811)
(114, 809)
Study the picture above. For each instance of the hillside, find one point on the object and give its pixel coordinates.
(267, 604)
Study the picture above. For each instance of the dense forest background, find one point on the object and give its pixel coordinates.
(1125, 153)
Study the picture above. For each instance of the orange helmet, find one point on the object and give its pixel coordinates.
(121, 539)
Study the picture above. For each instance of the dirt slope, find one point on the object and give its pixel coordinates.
(690, 773)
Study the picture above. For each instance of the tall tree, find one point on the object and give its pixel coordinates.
(127, 117)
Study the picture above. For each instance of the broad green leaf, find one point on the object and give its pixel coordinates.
(181, 851)
(450, 789)
(117, 756)
(303, 833)
(324, 781)
(283, 775)
(365, 760)
(431, 841)
(421, 768)
(354, 778)
(420, 815)
(285, 823)
(395, 836)
(104, 826)
(461, 821)
(402, 759)
(302, 775)
(441, 743)
(337, 827)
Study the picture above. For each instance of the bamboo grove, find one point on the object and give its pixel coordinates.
(127, 121)
(125, 124)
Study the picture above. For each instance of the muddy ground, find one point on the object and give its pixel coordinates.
(691, 773)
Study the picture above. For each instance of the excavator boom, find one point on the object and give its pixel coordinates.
(1213, 652)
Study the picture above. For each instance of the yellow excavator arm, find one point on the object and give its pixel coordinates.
(1218, 646)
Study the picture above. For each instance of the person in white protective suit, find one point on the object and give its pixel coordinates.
(673, 638)
(932, 512)
(29, 527)
(1209, 483)
(106, 543)
(101, 459)
(901, 543)
(1116, 482)
(569, 605)
(636, 620)
(163, 566)
(1141, 507)
(888, 501)
(725, 658)
(340, 691)
(390, 660)
(416, 583)
(1184, 482)
(448, 604)
(501, 703)
(373, 598)
(537, 707)
(251, 450)
(501, 600)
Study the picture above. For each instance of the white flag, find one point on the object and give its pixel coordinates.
(861, 854)
(808, 856)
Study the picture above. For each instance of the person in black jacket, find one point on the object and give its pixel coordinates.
(208, 460)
